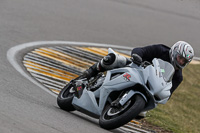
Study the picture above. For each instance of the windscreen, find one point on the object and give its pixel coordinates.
(167, 70)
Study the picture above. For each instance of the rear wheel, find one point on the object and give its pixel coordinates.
(65, 97)
(114, 117)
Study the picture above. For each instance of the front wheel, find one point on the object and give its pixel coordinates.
(114, 117)
(65, 97)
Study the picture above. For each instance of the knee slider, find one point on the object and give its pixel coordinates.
(112, 61)
(109, 59)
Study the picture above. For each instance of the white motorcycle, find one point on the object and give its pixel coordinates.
(118, 97)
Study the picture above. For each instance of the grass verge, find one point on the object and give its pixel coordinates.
(181, 114)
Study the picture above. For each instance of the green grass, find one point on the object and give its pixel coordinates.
(181, 114)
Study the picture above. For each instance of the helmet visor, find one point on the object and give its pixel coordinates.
(181, 61)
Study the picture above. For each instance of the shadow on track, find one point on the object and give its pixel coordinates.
(87, 118)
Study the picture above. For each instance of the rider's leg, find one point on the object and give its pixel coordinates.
(92, 71)
(97, 67)
(109, 62)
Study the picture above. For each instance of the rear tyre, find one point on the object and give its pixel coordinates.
(65, 97)
(113, 117)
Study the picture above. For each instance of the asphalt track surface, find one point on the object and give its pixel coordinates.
(24, 107)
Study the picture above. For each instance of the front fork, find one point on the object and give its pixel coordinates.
(125, 98)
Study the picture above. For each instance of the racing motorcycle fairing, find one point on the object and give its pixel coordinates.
(126, 78)
(119, 79)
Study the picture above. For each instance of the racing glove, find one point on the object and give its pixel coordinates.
(136, 59)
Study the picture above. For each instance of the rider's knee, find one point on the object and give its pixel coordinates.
(112, 61)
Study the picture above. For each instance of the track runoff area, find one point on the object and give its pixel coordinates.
(51, 65)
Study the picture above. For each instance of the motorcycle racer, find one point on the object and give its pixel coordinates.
(179, 55)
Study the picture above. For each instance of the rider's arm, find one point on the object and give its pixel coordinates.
(148, 53)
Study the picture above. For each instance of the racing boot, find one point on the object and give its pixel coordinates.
(107, 63)
(92, 71)
(141, 115)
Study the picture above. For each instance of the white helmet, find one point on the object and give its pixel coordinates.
(181, 50)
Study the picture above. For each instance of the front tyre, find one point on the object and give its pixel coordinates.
(113, 117)
(65, 97)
